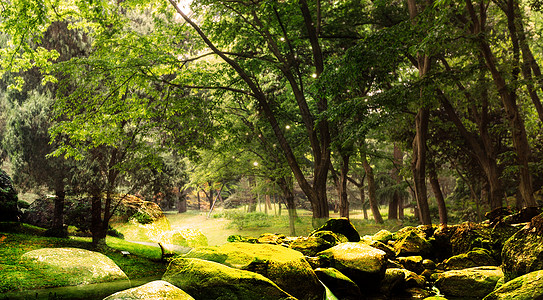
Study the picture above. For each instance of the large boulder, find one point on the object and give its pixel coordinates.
(412, 241)
(158, 290)
(525, 287)
(469, 236)
(310, 245)
(340, 226)
(472, 283)
(286, 267)
(363, 264)
(523, 252)
(8, 199)
(475, 258)
(205, 280)
(397, 281)
(186, 237)
(341, 286)
(76, 266)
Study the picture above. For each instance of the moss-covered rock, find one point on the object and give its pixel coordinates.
(412, 241)
(341, 286)
(397, 281)
(525, 287)
(239, 238)
(311, 245)
(157, 290)
(78, 266)
(383, 236)
(469, 236)
(271, 238)
(204, 280)
(363, 264)
(331, 237)
(186, 237)
(472, 283)
(412, 263)
(342, 226)
(475, 258)
(523, 252)
(286, 267)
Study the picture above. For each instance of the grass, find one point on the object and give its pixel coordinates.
(17, 276)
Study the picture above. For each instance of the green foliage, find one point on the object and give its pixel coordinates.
(8, 199)
(142, 218)
(241, 220)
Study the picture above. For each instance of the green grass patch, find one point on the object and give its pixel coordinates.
(15, 275)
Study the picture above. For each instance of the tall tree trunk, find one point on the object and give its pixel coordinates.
(291, 206)
(371, 191)
(57, 229)
(343, 200)
(198, 195)
(421, 131)
(509, 102)
(181, 200)
(419, 165)
(434, 182)
(518, 39)
(394, 205)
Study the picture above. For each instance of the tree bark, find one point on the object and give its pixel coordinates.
(482, 149)
(421, 134)
(371, 191)
(342, 184)
(434, 182)
(291, 206)
(508, 97)
(394, 205)
(419, 165)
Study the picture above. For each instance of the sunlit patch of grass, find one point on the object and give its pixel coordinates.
(15, 275)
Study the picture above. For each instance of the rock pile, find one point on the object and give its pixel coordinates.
(492, 260)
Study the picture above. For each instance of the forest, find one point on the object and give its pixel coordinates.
(326, 105)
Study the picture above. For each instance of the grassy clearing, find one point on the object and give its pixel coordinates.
(16, 276)
(225, 222)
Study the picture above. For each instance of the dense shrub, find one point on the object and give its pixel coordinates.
(8, 199)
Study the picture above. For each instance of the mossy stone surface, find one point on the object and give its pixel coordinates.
(469, 236)
(204, 280)
(475, 258)
(412, 242)
(78, 266)
(342, 226)
(525, 287)
(341, 286)
(363, 264)
(523, 252)
(311, 245)
(471, 283)
(286, 267)
(156, 290)
(383, 236)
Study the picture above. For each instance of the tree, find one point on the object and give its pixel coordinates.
(28, 145)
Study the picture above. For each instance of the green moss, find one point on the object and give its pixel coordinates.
(526, 287)
(342, 226)
(286, 267)
(209, 280)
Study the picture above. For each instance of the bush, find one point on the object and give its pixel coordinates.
(142, 218)
(8, 199)
(114, 233)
